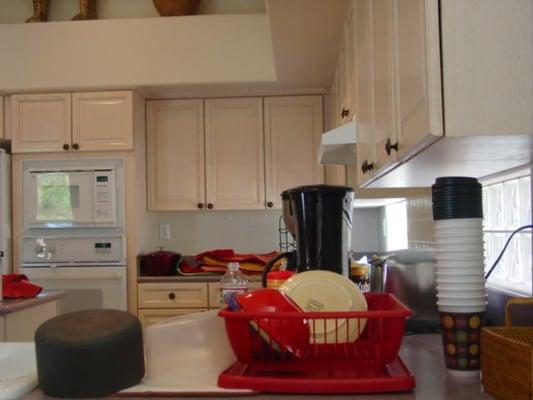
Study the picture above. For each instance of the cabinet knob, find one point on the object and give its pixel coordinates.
(210, 206)
(200, 205)
(66, 147)
(171, 296)
(389, 146)
(366, 166)
(270, 204)
(345, 112)
(75, 146)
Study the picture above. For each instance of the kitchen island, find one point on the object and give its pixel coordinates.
(19, 318)
(421, 353)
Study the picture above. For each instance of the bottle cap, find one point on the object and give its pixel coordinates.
(233, 266)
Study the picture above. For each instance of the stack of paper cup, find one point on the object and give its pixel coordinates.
(461, 296)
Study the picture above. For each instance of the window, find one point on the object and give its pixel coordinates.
(395, 226)
(507, 206)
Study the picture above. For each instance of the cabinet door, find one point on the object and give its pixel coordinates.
(40, 123)
(235, 169)
(365, 90)
(102, 121)
(384, 117)
(348, 61)
(175, 154)
(412, 63)
(293, 126)
(21, 325)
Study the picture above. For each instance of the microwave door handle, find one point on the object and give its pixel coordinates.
(58, 276)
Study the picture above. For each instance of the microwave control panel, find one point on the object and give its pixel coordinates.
(104, 196)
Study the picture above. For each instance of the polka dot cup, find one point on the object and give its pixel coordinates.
(461, 334)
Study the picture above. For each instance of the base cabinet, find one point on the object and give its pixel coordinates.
(20, 326)
(162, 300)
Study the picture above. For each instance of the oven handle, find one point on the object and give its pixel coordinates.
(58, 276)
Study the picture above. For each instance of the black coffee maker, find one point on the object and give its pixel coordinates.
(320, 219)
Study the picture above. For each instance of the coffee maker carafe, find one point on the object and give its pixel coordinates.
(320, 219)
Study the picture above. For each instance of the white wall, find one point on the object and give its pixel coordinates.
(367, 230)
(131, 53)
(16, 11)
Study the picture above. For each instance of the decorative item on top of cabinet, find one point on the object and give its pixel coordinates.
(168, 8)
(293, 125)
(40, 10)
(100, 121)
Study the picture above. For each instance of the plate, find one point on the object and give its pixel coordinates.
(325, 291)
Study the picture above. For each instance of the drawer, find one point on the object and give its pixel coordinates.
(173, 295)
(214, 293)
(153, 316)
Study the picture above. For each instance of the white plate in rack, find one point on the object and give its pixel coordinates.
(318, 291)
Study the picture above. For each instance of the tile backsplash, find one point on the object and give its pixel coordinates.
(244, 231)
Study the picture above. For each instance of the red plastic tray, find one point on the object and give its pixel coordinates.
(368, 364)
(335, 379)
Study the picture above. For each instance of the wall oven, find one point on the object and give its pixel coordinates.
(73, 235)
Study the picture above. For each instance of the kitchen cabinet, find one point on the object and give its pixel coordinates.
(217, 167)
(41, 122)
(364, 89)
(20, 325)
(234, 154)
(175, 154)
(102, 120)
(162, 300)
(72, 122)
(293, 125)
(241, 155)
(2, 112)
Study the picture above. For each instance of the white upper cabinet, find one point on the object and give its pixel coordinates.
(235, 172)
(365, 90)
(293, 126)
(41, 122)
(384, 127)
(102, 120)
(72, 122)
(417, 72)
(175, 154)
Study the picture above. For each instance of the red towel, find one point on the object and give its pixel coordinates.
(17, 286)
(228, 255)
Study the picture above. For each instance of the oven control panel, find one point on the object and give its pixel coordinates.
(39, 251)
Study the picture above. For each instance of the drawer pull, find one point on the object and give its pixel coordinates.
(171, 296)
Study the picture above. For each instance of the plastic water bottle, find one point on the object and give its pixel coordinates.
(232, 283)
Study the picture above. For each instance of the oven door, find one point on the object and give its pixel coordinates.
(59, 199)
(85, 287)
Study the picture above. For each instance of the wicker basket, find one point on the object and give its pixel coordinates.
(507, 358)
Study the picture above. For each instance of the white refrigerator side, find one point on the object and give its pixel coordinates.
(5, 214)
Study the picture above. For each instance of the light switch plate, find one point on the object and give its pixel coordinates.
(164, 232)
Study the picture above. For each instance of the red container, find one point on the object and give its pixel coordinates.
(369, 364)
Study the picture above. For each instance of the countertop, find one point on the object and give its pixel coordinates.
(11, 305)
(421, 353)
(192, 278)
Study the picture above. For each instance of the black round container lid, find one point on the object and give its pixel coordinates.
(322, 188)
(456, 180)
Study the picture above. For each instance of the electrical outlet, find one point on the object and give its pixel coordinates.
(164, 232)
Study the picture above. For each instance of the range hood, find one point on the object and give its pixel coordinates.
(337, 146)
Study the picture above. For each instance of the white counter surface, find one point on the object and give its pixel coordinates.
(421, 353)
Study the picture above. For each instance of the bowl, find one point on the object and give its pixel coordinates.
(290, 334)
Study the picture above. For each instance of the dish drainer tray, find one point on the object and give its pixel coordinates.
(394, 377)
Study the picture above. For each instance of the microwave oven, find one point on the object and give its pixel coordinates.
(70, 194)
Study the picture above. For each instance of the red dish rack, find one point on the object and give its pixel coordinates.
(368, 364)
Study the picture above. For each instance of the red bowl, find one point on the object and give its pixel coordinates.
(282, 334)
